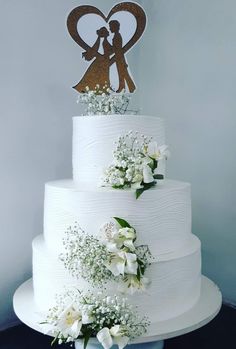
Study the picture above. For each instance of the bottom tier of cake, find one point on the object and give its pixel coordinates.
(175, 281)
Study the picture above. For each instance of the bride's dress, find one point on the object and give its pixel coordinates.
(98, 71)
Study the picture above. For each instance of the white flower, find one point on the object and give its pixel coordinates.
(70, 322)
(137, 178)
(123, 262)
(132, 284)
(113, 336)
(127, 233)
(104, 337)
(115, 239)
(87, 317)
(131, 263)
(129, 244)
(157, 153)
(109, 231)
(147, 174)
(117, 333)
(126, 237)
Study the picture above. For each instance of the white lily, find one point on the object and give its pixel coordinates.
(107, 337)
(104, 337)
(117, 333)
(132, 284)
(126, 237)
(114, 238)
(164, 152)
(87, 318)
(70, 322)
(128, 233)
(137, 179)
(157, 153)
(129, 244)
(147, 174)
(123, 262)
(131, 263)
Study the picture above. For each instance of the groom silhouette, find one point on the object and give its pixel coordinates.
(121, 64)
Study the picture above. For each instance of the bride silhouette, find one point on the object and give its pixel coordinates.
(98, 71)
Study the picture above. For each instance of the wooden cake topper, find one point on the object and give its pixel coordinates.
(113, 50)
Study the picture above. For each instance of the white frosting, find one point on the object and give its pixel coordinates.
(175, 279)
(94, 137)
(161, 216)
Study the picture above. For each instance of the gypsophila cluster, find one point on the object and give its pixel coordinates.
(135, 160)
(77, 315)
(85, 256)
(103, 101)
(113, 256)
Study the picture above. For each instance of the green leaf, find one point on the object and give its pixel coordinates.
(146, 186)
(122, 222)
(139, 192)
(153, 164)
(141, 267)
(87, 336)
(138, 274)
(118, 186)
(54, 340)
(158, 176)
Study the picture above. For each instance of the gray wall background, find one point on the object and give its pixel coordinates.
(188, 77)
(185, 65)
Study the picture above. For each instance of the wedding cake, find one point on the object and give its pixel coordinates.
(160, 218)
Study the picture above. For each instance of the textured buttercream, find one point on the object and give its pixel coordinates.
(175, 286)
(161, 216)
(94, 141)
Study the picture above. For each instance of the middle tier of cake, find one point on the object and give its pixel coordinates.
(161, 216)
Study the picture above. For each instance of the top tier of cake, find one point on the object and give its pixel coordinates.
(94, 138)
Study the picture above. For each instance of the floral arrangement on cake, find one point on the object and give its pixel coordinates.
(111, 319)
(113, 256)
(135, 161)
(102, 101)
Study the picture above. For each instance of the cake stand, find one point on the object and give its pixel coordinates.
(204, 311)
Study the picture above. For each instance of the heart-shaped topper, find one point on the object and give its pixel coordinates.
(106, 52)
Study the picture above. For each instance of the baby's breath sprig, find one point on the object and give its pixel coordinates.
(77, 315)
(103, 101)
(85, 256)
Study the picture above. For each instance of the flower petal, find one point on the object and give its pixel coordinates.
(121, 341)
(129, 243)
(74, 331)
(152, 150)
(147, 174)
(105, 338)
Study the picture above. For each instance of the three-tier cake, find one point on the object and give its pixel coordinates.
(161, 217)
